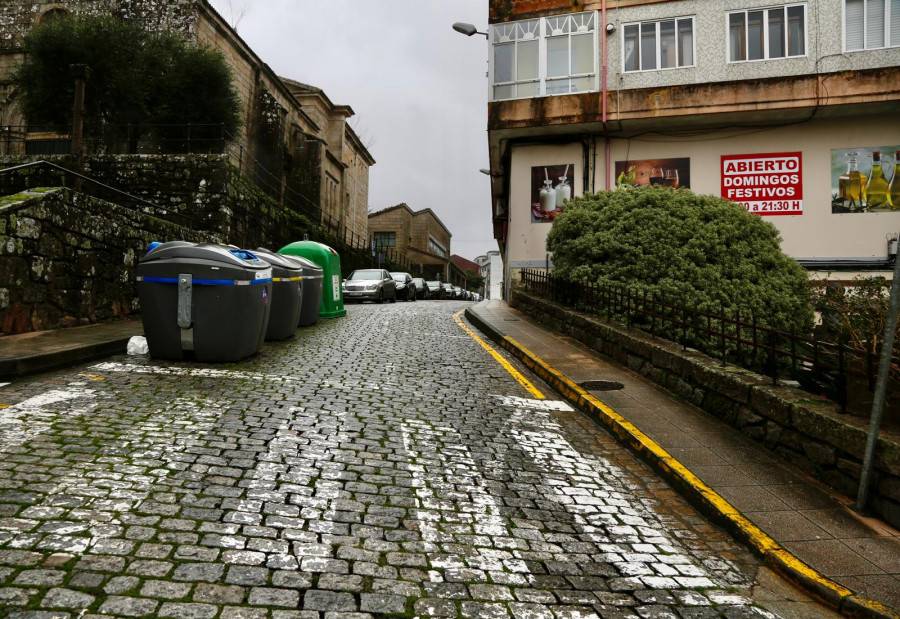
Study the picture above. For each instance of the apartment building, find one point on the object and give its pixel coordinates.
(789, 108)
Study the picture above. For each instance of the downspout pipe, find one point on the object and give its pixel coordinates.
(603, 87)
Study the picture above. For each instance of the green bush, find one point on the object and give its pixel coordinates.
(702, 252)
(136, 76)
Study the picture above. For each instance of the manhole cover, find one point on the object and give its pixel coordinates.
(601, 385)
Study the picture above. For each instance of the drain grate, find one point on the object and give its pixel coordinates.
(601, 385)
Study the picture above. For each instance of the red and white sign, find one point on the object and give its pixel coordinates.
(766, 183)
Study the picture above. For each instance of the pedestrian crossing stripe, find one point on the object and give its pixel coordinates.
(541, 405)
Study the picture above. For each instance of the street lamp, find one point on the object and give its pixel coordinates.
(467, 29)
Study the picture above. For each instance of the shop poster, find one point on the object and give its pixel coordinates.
(673, 172)
(764, 183)
(865, 180)
(551, 188)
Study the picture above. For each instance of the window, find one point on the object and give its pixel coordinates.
(870, 24)
(436, 248)
(545, 56)
(385, 239)
(778, 32)
(666, 44)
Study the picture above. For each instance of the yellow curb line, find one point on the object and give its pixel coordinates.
(506, 364)
(780, 559)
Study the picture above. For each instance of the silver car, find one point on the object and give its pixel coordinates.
(370, 285)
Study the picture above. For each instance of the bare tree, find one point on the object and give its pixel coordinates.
(362, 132)
(236, 11)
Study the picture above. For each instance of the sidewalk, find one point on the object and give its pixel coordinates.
(852, 562)
(40, 351)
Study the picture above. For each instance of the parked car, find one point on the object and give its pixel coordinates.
(421, 288)
(406, 289)
(435, 290)
(458, 293)
(370, 285)
(448, 291)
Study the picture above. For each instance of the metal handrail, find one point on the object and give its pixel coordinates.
(81, 176)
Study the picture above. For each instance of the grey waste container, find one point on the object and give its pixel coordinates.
(204, 299)
(287, 293)
(312, 290)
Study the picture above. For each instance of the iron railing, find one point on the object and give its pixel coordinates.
(194, 139)
(828, 367)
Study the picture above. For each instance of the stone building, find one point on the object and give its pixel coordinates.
(420, 236)
(346, 160)
(306, 157)
(786, 107)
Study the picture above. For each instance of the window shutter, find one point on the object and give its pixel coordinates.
(875, 24)
(854, 24)
(895, 22)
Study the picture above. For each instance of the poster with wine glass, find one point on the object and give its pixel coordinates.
(673, 172)
(551, 188)
(865, 179)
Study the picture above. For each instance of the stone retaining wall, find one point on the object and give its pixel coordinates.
(202, 192)
(69, 259)
(805, 430)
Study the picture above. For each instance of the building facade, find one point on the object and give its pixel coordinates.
(420, 236)
(789, 108)
(345, 173)
(303, 154)
(492, 271)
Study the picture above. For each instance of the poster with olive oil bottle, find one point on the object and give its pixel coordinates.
(865, 179)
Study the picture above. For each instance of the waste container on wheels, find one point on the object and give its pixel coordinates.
(312, 290)
(330, 262)
(287, 293)
(204, 299)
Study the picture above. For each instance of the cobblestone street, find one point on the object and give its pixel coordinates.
(381, 464)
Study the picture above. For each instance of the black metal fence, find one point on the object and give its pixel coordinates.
(822, 366)
(130, 139)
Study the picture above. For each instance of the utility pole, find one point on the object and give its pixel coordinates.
(80, 72)
(884, 367)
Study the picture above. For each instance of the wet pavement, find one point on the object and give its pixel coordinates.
(381, 464)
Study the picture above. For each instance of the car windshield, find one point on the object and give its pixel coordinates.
(399, 277)
(433, 284)
(419, 281)
(365, 274)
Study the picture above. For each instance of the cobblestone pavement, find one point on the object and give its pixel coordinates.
(380, 464)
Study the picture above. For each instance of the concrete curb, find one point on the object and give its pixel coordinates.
(13, 368)
(705, 498)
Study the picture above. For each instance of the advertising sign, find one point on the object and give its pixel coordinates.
(551, 188)
(764, 183)
(865, 179)
(673, 172)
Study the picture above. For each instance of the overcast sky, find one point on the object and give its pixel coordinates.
(418, 89)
